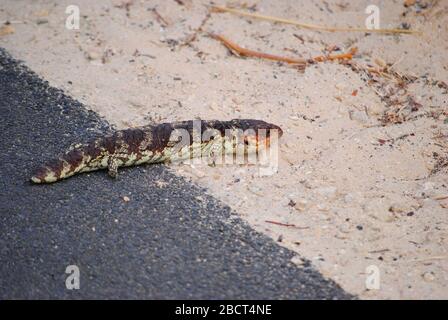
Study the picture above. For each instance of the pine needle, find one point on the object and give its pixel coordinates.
(240, 51)
(243, 52)
(311, 26)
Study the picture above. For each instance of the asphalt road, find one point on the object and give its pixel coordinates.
(170, 242)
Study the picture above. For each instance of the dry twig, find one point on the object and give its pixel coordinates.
(199, 29)
(285, 224)
(161, 20)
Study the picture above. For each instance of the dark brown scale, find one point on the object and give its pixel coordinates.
(205, 125)
(74, 158)
(160, 137)
(108, 143)
(56, 166)
(133, 138)
(92, 151)
(217, 125)
(41, 172)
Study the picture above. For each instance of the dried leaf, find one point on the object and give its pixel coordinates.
(408, 3)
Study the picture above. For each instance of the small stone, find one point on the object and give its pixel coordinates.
(161, 184)
(294, 117)
(41, 21)
(429, 276)
(126, 199)
(359, 116)
(405, 25)
(93, 55)
(399, 208)
(307, 184)
(297, 260)
(344, 228)
(301, 205)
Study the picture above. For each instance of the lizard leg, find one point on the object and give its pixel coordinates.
(213, 156)
(112, 166)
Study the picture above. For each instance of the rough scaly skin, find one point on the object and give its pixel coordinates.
(152, 144)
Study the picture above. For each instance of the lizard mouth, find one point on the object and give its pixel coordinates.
(258, 142)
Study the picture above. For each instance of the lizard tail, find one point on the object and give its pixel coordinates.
(63, 167)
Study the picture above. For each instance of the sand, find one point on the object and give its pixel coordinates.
(363, 161)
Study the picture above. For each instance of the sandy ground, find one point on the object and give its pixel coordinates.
(363, 161)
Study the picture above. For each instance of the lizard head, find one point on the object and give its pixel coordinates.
(257, 132)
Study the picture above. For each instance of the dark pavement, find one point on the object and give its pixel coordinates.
(164, 243)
